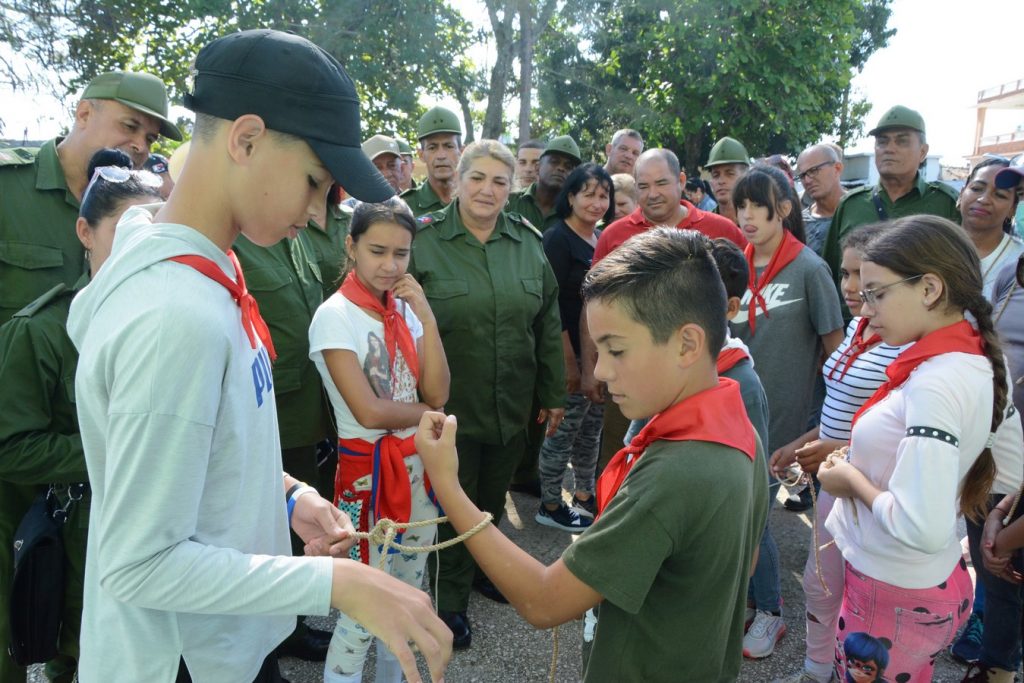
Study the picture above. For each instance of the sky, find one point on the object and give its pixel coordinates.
(943, 53)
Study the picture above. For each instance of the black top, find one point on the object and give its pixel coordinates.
(570, 257)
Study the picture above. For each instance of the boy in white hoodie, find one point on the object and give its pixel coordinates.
(188, 562)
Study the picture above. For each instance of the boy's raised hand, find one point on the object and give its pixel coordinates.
(435, 443)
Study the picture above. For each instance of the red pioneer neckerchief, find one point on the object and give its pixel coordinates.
(858, 345)
(788, 249)
(959, 337)
(252, 321)
(709, 415)
(728, 358)
(396, 331)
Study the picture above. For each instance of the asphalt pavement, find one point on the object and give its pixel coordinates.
(508, 650)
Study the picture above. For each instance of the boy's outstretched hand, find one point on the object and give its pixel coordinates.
(435, 444)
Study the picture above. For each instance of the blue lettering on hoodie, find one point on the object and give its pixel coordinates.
(262, 380)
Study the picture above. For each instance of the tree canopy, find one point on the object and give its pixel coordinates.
(775, 75)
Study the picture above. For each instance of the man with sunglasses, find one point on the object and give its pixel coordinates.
(40, 189)
(900, 151)
(819, 168)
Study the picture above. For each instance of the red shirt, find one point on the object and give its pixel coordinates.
(711, 224)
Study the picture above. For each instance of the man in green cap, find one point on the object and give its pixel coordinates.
(727, 163)
(537, 202)
(386, 155)
(405, 181)
(900, 149)
(40, 190)
(440, 135)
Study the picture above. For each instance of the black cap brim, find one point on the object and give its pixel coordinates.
(353, 171)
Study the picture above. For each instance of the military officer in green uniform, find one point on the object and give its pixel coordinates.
(900, 150)
(328, 242)
(537, 202)
(40, 189)
(386, 155)
(728, 161)
(40, 442)
(496, 302)
(440, 135)
(405, 180)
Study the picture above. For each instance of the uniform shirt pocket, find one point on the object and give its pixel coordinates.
(23, 269)
(449, 300)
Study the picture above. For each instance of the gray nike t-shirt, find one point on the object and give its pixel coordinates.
(803, 305)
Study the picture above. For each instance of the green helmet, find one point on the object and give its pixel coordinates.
(728, 151)
(563, 144)
(381, 144)
(404, 146)
(438, 120)
(899, 117)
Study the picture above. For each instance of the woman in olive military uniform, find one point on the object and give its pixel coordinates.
(496, 303)
(39, 440)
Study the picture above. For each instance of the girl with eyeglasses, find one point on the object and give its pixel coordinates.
(39, 434)
(921, 451)
(852, 374)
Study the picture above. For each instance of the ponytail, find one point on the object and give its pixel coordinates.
(978, 482)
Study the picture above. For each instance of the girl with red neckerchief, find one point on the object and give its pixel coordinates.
(790, 319)
(921, 447)
(852, 374)
(376, 345)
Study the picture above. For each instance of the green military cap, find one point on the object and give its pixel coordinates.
(404, 146)
(381, 144)
(899, 117)
(563, 144)
(142, 92)
(438, 120)
(728, 151)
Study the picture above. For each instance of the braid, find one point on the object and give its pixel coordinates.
(978, 482)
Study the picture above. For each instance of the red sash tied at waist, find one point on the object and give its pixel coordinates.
(390, 492)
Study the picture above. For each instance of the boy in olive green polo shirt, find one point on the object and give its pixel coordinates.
(680, 511)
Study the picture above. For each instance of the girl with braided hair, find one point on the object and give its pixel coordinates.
(921, 446)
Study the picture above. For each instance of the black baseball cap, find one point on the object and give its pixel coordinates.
(296, 88)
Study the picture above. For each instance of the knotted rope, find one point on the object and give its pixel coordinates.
(386, 530)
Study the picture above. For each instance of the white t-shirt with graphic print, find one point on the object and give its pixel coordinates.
(340, 324)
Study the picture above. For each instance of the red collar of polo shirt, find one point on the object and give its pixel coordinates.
(639, 219)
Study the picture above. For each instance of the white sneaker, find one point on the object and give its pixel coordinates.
(764, 632)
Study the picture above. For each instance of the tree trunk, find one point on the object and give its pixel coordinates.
(502, 71)
(844, 118)
(526, 39)
(467, 115)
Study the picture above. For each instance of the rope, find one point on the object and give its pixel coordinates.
(385, 530)
(797, 477)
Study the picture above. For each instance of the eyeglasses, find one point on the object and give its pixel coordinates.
(119, 174)
(813, 171)
(870, 296)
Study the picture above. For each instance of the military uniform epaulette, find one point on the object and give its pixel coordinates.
(519, 218)
(18, 156)
(39, 304)
(944, 188)
(410, 192)
(860, 190)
